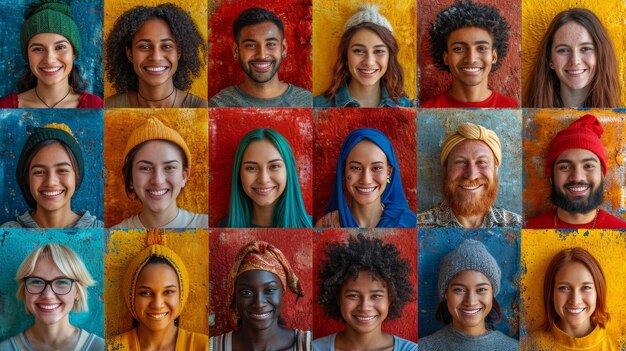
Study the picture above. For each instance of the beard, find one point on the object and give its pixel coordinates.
(579, 204)
(260, 78)
(465, 204)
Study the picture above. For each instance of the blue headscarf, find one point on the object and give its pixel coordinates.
(397, 213)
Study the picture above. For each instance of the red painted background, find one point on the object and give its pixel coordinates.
(506, 80)
(406, 242)
(224, 244)
(333, 125)
(228, 126)
(296, 15)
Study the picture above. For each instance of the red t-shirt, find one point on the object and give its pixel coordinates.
(604, 220)
(446, 100)
(85, 100)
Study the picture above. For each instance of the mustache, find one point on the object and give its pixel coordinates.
(576, 183)
(474, 183)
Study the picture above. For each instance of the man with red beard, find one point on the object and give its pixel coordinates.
(576, 166)
(260, 47)
(470, 158)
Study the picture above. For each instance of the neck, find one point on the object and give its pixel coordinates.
(475, 221)
(476, 93)
(52, 94)
(262, 215)
(349, 339)
(367, 216)
(268, 90)
(367, 96)
(477, 330)
(59, 335)
(577, 331)
(163, 95)
(151, 219)
(260, 340)
(574, 98)
(61, 218)
(576, 218)
(157, 340)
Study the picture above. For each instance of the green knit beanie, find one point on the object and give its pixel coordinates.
(49, 16)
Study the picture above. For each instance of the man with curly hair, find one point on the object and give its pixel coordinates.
(260, 46)
(469, 40)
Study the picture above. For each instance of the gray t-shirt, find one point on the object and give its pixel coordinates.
(235, 97)
(449, 338)
(86, 220)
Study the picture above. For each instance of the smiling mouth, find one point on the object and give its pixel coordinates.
(575, 311)
(575, 72)
(366, 190)
(470, 187)
(48, 307)
(157, 316)
(51, 194)
(471, 69)
(262, 66)
(470, 312)
(156, 69)
(365, 319)
(368, 73)
(260, 316)
(51, 69)
(159, 192)
(264, 191)
(578, 189)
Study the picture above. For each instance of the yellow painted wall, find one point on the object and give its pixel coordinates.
(196, 8)
(538, 248)
(191, 245)
(537, 15)
(329, 17)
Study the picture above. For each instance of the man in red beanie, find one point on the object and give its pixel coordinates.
(576, 166)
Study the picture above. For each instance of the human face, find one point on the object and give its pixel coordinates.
(573, 56)
(574, 297)
(260, 49)
(368, 57)
(258, 298)
(469, 299)
(471, 178)
(157, 297)
(364, 303)
(159, 175)
(154, 53)
(50, 58)
(47, 307)
(366, 173)
(52, 178)
(469, 56)
(577, 181)
(263, 173)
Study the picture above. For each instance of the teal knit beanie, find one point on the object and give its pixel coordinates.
(49, 16)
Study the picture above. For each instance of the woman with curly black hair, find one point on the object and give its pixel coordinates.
(152, 53)
(363, 282)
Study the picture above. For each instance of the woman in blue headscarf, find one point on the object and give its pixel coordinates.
(367, 191)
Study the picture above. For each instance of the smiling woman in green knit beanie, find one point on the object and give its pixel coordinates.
(50, 42)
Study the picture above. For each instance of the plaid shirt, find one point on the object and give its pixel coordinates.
(441, 216)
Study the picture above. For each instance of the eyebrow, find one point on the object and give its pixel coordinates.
(150, 288)
(254, 41)
(363, 45)
(371, 291)
(463, 285)
(54, 165)
(150, 41)
(475, 43)
(270, 161)
(373, 163)
(165, 163)
(588, 159)
(55, 43)
(579, 44)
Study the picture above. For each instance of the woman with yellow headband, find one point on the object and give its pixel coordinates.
(255, 287)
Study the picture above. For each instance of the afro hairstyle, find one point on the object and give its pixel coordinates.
(468, 14)
(346, 260)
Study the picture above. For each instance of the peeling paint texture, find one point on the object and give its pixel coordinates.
(123, 245)
(295, 244)
(228, 126)
(197, 9)
(538, 248)
(86, 125)
(16, 244)
(191, 124)
(88, 17)
(330, 17)
(537, 15)
(296, 16)
(506, 80)
(541, 126)
(332, 126)
(503, 245)
(433, 125)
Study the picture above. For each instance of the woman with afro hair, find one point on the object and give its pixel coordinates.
(363, 282)
(152, 53)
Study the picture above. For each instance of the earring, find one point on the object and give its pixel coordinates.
(284, 54)
(388, 179)
(235, 57)
(551, 65)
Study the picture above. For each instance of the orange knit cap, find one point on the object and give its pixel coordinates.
(153, 129)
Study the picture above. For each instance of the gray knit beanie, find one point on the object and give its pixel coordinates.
(469, 255)
(367, 13)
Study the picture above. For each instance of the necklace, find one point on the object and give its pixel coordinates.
(157, 100)
(56, 103)
(593, 225)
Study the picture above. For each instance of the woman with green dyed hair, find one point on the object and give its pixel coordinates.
(265, 189)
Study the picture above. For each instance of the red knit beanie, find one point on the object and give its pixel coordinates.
(584, 133)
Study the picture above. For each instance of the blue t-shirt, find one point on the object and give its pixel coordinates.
(327, 343)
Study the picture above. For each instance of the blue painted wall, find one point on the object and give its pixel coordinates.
(16, 244)
(88, 17)
(434, 244)
(433, 125)
(87, 126)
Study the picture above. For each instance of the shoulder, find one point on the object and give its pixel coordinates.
(192, 101)
(325, 343)
(227, 97)
(23, 221)
(609, 221)
(222, 342)
(302, 94)
(11, 344)
(117, 101)
(88, 221)
(502, 342)
(436, 341)
(499, 100)
(121, 341)
(87, 100)
(191, 341)
(303, 340)
(128, 223)
(439, 216)
(11, 224)
(323, 102)
(193, 220)
(438, 101)
(400, 344)
(405, 102)
(542, 221)
(90, 342)
(501, 217)
(331, 219)
(9, 101)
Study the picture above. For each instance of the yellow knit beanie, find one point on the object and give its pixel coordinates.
(471, 131)
(153, 129)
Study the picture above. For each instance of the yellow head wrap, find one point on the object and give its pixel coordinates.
(471, 131)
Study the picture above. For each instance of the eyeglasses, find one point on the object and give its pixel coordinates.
(59, 286)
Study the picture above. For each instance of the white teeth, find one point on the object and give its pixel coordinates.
(370, 71)
(365, 318)
(471, 311)
(471, 69)
(52, 193)
(156, 69)
(261, 64)
(578, 71)
(157, 316)
(471, 187)
(260, 316)
(51, 70)
(579, 188)
(263, 191)
(575, 310)
(366, 190)
(157, 192)
(49, 307)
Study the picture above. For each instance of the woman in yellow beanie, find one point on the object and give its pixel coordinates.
(156, 169)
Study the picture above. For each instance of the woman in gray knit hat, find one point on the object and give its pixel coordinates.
(469, 280)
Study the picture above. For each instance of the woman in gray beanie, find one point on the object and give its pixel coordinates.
(469, 280)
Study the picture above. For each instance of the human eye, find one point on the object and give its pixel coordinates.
(37, 172)
(590, 166)
(564, 167)
(358, 51)
(563, 288)
(35, 282)
(458, 290)
(377, 169)
(145, 169)
(61, 47)
(250, 168)
(587, 288)
(246, 292)
(249, 45)
(380, 51)
(145, 293)
(482, 290)
(62, 282)
(355, 168)
(587, 49)
(458, 49)
(562, 50)
(275, 166)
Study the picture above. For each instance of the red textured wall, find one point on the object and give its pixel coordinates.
(406, 242)
(333, 125)
(296, 15)
(224, 244)
(228, 126)
(506, 80)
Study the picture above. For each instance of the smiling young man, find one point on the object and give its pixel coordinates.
(470, 158)
(469, 40)
(576, 166)
(260, 47)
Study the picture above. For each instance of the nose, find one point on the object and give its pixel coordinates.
(51, 179)
(50, 56)
(364, 304)
(263, 177)
(367, 177)
(156, 54)
(471, 171)
(47, 291)
(369, 59)
(575, 57)
(261, 51)
(157, 177)
(259, 300)
(575, 297)
(157, 300)
(471, 55)
(577, 174)
(470, 298)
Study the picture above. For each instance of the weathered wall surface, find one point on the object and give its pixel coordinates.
(330, 17)
(191, 124)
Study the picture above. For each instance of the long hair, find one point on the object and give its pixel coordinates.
(289, 211)
(393, 78)
(600, 316)
(544, 87)
(28, 80)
